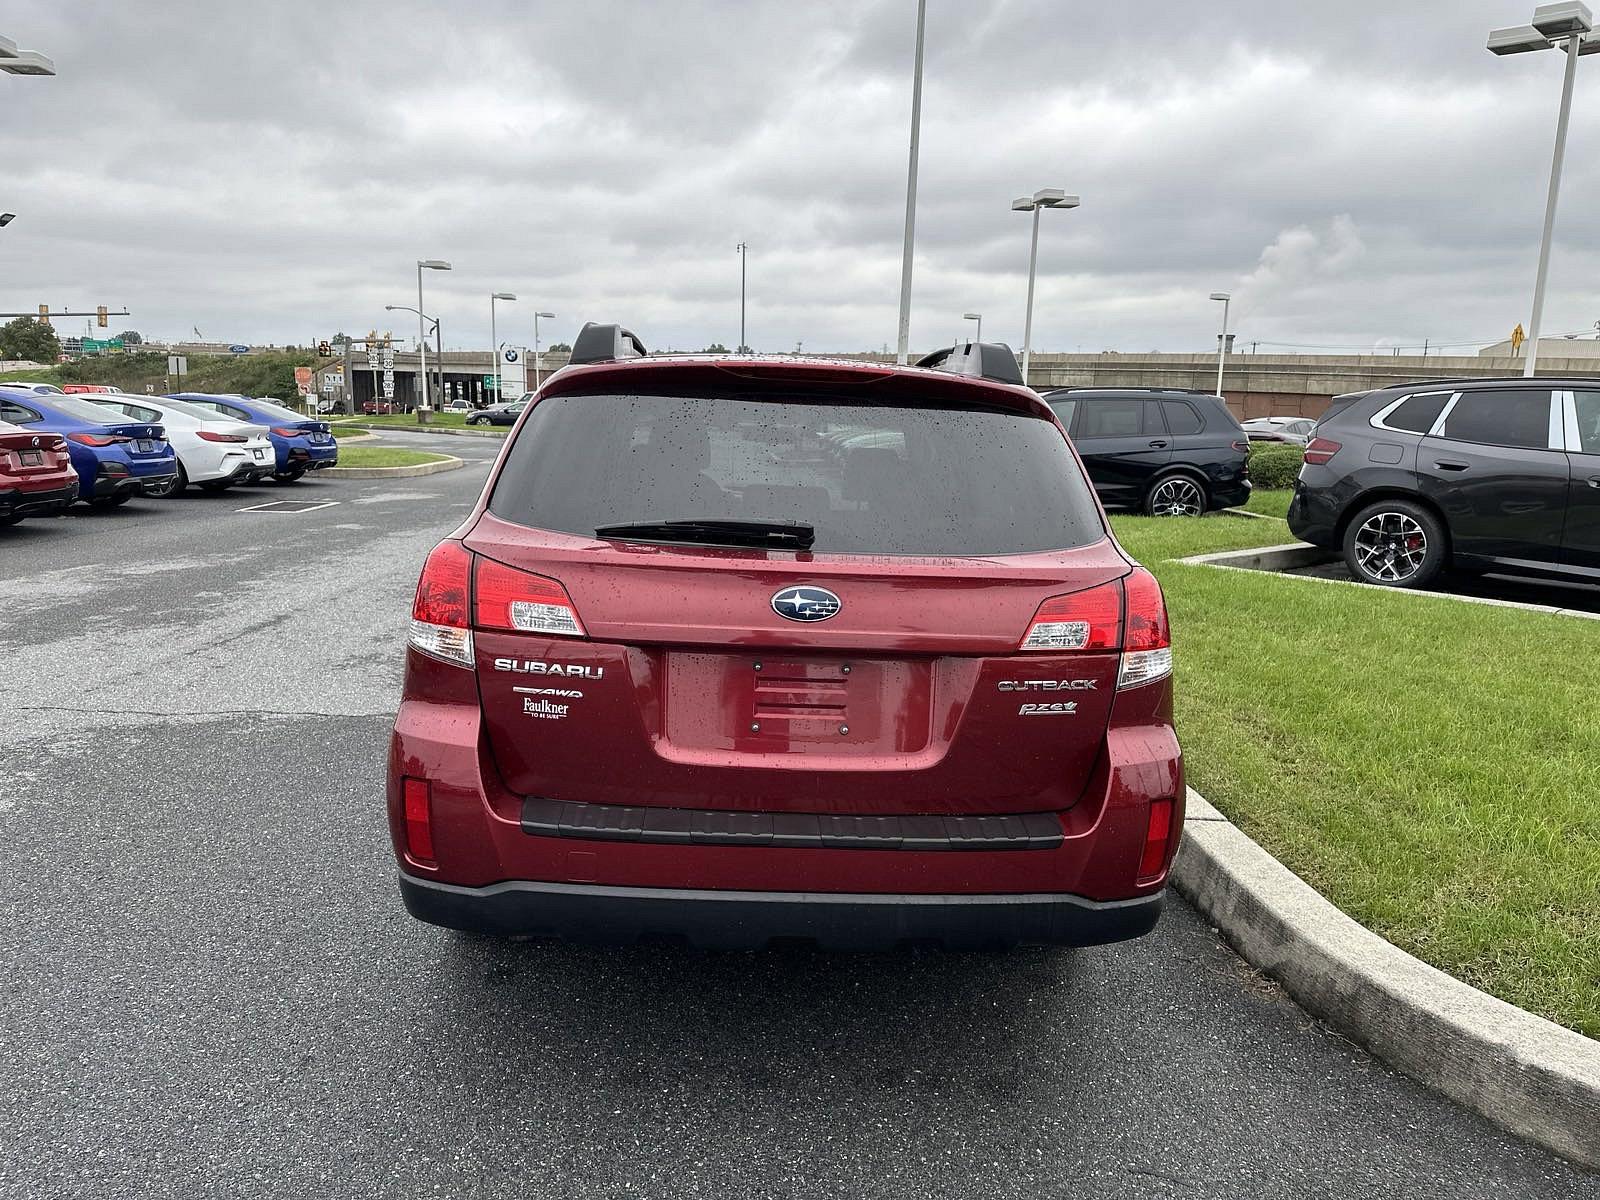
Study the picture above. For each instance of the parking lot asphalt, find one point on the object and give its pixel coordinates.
(211, 988)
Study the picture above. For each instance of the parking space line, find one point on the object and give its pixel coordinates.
(292, 507)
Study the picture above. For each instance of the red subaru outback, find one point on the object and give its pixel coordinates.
(736, 649)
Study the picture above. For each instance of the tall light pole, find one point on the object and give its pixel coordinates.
(911, 191)
(538, 355)
(744, 251)
(1042, 199)
(1567, 25)
(978, 317)
(494, 340)
(23, 62)
(426, 264)
(1222, 338)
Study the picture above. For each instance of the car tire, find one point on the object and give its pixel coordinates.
(10, 519)
(1175, 494)
(216, 486)
(289, 476)
(1395, 543)
(181, 483)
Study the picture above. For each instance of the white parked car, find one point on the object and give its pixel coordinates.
(213, 452)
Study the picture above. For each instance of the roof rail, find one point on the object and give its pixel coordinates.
(605, 343)
(1117, 387)
(982, 360)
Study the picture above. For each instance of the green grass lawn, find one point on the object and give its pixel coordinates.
(1431, 767)
(386, 456)
(1272, 504)
(437, 420)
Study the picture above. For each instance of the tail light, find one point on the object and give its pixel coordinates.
(1087, 620)
(285, 431)
(212, 436)
(415, 797)
(1156, 836)
(1320, 449)
(1243, 446)
(1146, 636)
(439, 612)
(511, 599)
(1127, 615)
(98, 439)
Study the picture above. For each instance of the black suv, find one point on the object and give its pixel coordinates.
(1478, 475)
(1163, 451)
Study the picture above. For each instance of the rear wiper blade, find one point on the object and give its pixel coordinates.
(779, 535)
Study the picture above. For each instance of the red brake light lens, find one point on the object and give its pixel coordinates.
(1087, 620)
(414, 794)
(210, 435)
(97, 439)
(1094, 620)
(521, 601)
(1319, 450)
(1156, 835)
(439, 612)
(285, 431)
(1147, 638)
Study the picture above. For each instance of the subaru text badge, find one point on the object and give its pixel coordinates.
(805, 604)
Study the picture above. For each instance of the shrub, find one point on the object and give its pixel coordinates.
(1274, 465)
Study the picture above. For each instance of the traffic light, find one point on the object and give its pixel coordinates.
(44, 314)
(100, 316)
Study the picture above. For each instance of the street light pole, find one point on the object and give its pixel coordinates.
(494, 340)
(744, 251)
(911, 191)
(538, 355)
(1568, 25)
(430, 264)
(1222, 340)
(978, 317)
(1043, 198)
(23, 62)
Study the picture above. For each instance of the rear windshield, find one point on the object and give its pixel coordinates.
(86, 410)
(869, 479)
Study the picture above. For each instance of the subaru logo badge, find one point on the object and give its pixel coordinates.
(806, 604)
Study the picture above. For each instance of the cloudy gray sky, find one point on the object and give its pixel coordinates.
(1358, 173)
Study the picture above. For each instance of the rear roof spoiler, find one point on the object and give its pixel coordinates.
(981, 360)
(605, 343)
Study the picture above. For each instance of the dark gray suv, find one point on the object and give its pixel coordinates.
(1478, 475)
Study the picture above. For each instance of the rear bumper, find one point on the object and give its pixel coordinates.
(1314, 516)
(15, 502)
(751, 920)
(151, 484)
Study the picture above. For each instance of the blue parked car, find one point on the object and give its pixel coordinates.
(302, 443)
(116, 459)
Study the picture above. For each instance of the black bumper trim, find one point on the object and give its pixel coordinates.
(37, 504)
(802, 831)
(593, 913)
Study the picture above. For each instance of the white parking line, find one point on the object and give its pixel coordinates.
(289, 507)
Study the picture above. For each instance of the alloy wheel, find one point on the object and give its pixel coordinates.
(1390, 547)
(1177, 497)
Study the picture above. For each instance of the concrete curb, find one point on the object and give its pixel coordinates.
(1531, 1076)
(1300, 554)
(485, 433)
(448, 463)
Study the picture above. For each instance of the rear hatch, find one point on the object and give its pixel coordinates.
(28, 459)
(723, 664)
